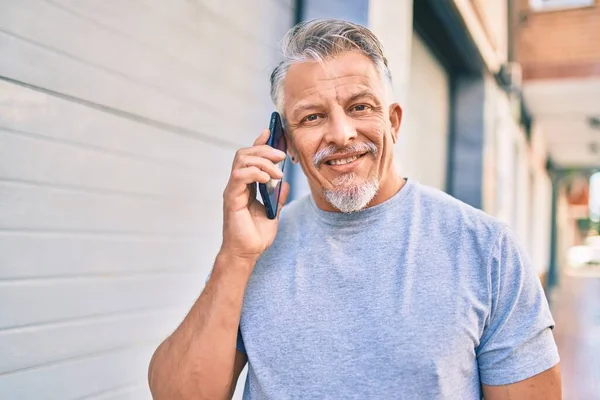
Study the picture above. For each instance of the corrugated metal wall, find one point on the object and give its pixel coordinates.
(118, 124)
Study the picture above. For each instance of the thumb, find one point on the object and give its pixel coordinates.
(285, 191)
(263, 138)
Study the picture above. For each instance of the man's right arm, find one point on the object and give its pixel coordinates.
(199, 360)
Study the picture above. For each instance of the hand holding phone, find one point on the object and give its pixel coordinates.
(247, 230)
(271, 190)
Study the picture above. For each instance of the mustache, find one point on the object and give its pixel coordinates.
(358, 147)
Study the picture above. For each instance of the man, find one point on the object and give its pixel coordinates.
(374, 287)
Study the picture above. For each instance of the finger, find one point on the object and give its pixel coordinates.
(283, 195)
(268, 166)
(252, 196)
(264, 150)
(263, 138)
(241, 178)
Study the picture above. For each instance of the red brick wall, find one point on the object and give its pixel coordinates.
(556, 44)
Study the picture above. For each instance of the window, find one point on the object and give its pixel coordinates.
(548, 5)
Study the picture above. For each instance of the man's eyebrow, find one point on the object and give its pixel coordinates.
(304, 107)
(313, 106)
(363, 94)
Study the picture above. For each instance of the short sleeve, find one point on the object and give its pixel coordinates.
(240, 342)
(517, 341)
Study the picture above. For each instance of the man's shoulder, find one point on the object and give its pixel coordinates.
(441, 201)
(454, 216)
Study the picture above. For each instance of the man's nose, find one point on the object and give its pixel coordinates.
(340, 129)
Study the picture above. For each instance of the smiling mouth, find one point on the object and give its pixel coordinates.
(344, 161)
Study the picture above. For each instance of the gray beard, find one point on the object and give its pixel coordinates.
(348, 197)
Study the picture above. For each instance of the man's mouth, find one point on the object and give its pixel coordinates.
(345, 160)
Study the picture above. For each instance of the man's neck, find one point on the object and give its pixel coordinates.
(388, 190)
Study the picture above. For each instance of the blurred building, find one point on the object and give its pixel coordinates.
(556, 44)
(119, 121)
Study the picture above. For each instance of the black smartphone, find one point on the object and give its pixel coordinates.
(269, 192)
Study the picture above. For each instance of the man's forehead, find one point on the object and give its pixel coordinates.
(345, 86)
(346, 74)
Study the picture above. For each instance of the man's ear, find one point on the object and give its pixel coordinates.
(293, 154)
(395, 120)
(291, 149)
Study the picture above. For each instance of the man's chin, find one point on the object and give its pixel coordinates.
(351, 197)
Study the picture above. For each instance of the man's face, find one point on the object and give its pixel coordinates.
(341, 129)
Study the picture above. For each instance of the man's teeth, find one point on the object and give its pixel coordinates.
(343, 161)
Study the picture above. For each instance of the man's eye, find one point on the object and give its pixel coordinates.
(360, 107)
(310, 118)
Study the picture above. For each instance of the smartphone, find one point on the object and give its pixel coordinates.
(270, 191)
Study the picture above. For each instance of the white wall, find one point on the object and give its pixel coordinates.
(392, 22)
(541, 221)
(118, 123)
(541, 203)
(505, 157)
(523, 188)
(422, 150)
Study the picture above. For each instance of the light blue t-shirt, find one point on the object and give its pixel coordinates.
(420, 297)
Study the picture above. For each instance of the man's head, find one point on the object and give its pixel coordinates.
(334, 91)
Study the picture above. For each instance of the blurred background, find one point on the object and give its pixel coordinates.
(119, 121)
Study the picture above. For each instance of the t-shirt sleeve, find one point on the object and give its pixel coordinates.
(240, 342)
(517, 341)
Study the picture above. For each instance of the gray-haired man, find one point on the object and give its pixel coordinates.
(373, 287)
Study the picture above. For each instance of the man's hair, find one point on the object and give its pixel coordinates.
(322, 39)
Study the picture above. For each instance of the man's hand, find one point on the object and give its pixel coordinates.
(247, 232)
(544, 386)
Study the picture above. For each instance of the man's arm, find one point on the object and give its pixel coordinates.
(199, 360)
(517, 355)
(544, 386)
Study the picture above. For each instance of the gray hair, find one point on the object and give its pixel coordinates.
(322, 39)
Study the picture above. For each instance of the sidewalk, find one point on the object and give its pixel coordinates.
(576, 310)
